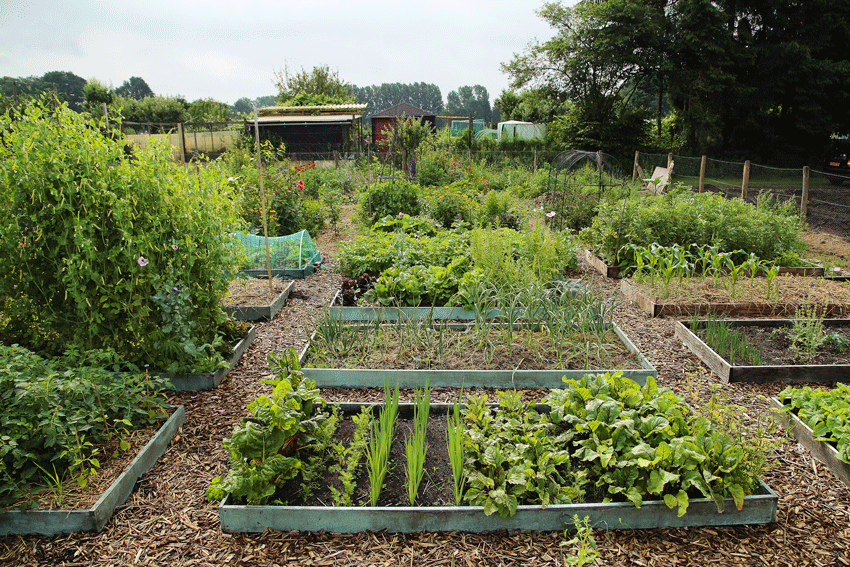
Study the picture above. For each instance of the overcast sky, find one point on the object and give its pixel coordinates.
(228, 50)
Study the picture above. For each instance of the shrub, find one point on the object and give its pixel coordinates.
(98, 251)
(451, 203)
(766, 229)
(390, 198)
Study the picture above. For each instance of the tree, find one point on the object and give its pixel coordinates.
(245, 106)
(530, 105)
(305, 88)
(68, 87)
(209, 110)
(468, 101)
(426, 96)
(405, 136)
(134, 87)
(96, 95)
(153, 110)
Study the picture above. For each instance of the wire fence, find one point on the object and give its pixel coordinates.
(819, 196)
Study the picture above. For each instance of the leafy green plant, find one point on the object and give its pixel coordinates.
(458, 201)
(768, 230)
(262, 448)
(389, 198)
(826, 412)
(807, 333)
(55, 415)
(644, 442)
(415, 447)
(89, 234)
(378, 448)
(582, 542)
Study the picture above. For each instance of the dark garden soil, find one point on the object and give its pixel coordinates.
(434, 490)
(168, 522)
(777, 348)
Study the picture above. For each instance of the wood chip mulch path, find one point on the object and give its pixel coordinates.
(167, 520)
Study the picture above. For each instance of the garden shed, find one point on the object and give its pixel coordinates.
(313, 129)
(386, 119)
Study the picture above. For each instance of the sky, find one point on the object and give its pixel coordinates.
(230, 50)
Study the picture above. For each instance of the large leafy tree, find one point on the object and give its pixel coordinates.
(426, 96)
(209, 110)
(469, 100)
(68, 87)
(134, 87)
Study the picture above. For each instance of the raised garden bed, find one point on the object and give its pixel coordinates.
(614, 271)
(470, 378)
(62, 521)
(209, 380)
(244, 310)
(771, 373)
(656, 307)
(822, 451)
(758, 508)
(385, 313)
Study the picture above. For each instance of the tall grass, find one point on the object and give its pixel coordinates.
(380, 443)
(415, 447)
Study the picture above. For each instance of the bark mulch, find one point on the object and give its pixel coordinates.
(167, 520)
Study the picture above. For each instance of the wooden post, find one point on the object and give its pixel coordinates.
(336, 159)
(471, 136)
(263, 200)
(746, 182)
(181, 142)
(669, 159)
(702, 173)
(804, 201)
(535, 160)
(635, 167)
(106, 115)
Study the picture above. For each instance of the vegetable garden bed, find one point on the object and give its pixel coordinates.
(614, 271)
(209, 380)
(61, 521)
(778, 373)
(388, 313)
(247, 312)
(465, 377)
(758, 508)
(821, 450)
(656, 307)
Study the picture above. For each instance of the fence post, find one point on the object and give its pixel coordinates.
(635, 166)
(669, 159)
(535, 160)
(181, 142)
(745, 184)
(702, 173)
(804, 201)
(336, 159)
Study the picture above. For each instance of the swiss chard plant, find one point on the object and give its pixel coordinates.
(264, 447)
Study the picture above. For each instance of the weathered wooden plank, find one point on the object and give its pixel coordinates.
(823, 452)
(260, 312)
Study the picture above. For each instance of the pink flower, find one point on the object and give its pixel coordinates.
(174, 247)
(550, 214)
(142, 262)
(401, 215)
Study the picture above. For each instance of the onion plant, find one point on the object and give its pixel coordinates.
(415, 447)
(380, 443)
(456, 450)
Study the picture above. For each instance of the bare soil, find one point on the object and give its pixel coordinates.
(457, 351)
(253, 292)
(167, 520)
